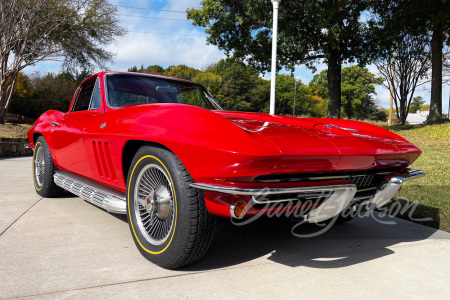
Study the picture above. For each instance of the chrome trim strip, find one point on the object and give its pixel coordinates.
(414, 174)
(367, 189)
(267, 191)
(330, 177)
(101, 198)
(204, 89)
(257, 201)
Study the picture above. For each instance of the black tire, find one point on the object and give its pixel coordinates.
(179, 235)
(43, 170)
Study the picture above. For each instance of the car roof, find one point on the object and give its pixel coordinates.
(143, 74)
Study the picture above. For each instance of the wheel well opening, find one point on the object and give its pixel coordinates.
(130, 149)
(35, 137)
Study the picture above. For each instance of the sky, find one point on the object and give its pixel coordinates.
(167, 38)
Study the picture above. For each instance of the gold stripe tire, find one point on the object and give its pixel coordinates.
(43, 170)
(168, 219)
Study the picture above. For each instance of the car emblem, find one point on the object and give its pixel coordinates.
(102, 125)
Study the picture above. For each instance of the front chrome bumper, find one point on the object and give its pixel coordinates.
(340, 195)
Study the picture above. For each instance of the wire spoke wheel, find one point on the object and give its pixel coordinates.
(39, 166)
(168, 219)
(154, 204)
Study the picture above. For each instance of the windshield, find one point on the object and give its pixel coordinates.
(127, 89)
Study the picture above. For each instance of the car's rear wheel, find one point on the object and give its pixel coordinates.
(43, 170)
(168, 219)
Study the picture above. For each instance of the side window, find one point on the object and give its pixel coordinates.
(96, 100)
(84, 96)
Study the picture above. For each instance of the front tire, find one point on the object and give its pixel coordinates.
(168, 219)
(43, 170)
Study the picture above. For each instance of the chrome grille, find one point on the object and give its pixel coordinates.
(362, 181)
(297, 198)
(366, 181)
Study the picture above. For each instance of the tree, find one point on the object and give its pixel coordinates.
(405, 71)
(23, 88)
(428, 21)
(43, 92)
(241, 88)
(181, 71)
(36, 30)
(425, 107)
(211, 81)
(329, 30)
(309, 103)
(284, 95)
(416, 103)
(358, 86)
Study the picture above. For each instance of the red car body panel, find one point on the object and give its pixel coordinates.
(216, 147)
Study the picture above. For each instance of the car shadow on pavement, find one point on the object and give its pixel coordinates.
(283, 241)
(362, 239)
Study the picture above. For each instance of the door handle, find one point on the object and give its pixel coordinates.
(54, 124)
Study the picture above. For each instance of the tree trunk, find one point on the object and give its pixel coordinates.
(403, 113)
(334, 85)
(436, 74)
(3, 116)
(6, 91)
(3, 108)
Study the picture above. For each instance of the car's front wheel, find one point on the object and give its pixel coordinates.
(168, 219)
(43, 170)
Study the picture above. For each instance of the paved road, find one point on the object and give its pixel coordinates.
(67, 248)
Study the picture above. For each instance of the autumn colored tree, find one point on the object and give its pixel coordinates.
(211, 81)
(23, 88)
(72, 31)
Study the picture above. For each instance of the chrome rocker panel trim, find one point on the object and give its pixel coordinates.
(109, 201)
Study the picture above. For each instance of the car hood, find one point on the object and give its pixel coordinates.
(348, 145)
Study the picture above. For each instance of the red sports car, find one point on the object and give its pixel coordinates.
(162, 151)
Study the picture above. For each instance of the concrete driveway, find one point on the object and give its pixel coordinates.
(67, 248)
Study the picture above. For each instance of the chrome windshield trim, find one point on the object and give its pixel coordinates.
(268, 191)
(204, 89)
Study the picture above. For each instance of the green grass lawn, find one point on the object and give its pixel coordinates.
(432, 192)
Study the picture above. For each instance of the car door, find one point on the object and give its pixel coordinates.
(67, 135)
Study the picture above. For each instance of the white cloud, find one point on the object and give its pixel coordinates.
(151, 49)
(177, 42)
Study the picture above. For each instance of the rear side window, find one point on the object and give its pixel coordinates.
(86, 94)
